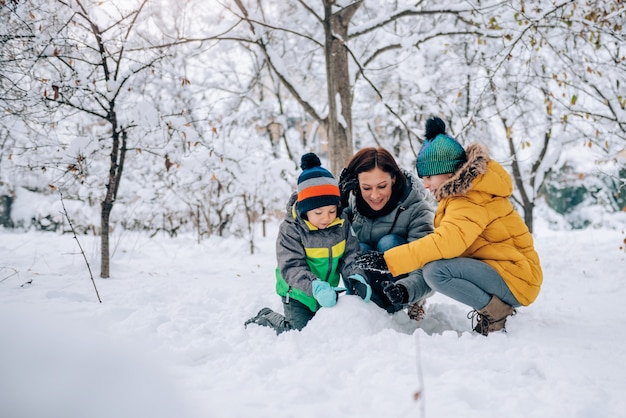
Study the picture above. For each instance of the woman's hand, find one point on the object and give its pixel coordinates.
(372, 261)
(348, 182)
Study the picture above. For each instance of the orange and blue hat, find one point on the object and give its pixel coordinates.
(317, 187)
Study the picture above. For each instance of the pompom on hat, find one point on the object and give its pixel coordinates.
(316, 186)
(440, 153)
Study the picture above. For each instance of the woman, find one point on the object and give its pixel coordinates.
(387, 207)
(481, 252)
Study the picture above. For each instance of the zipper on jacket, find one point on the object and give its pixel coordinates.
(330, 263)
(398, 212)
(287, 295)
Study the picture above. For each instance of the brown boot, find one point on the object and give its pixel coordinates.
(416, 311)
(492, 317)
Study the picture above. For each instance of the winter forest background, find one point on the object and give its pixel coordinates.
(172, 116)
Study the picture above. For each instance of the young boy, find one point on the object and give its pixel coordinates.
(315, 247)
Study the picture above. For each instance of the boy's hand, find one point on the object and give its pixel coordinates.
(359, 286)
(324, 293)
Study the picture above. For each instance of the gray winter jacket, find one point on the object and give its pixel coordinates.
(412, 219)
(305, 253)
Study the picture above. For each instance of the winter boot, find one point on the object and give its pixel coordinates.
(416, 311)
(255, 319)
(268, 318)
(492, 317)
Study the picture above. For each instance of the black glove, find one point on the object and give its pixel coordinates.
(396, 293)
(372, 261)
(359, 286)
(348, 182)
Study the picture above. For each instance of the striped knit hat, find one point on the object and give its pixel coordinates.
(316, 186)
(440, 153)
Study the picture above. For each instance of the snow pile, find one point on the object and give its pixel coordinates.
(168, 338)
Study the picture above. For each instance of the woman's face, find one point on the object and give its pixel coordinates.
(375, 186)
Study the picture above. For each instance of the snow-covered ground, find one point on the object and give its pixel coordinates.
(168, 338)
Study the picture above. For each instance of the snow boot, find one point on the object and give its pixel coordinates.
(416, 311)
(255, 319)
(492, 317)
(268, 318)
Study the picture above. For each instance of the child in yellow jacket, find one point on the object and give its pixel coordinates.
(481, 252)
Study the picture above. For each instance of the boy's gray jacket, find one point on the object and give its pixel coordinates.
(305, 253)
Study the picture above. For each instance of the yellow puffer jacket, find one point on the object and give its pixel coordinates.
(475, 219)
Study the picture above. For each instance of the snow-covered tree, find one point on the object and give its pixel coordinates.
(206, 107)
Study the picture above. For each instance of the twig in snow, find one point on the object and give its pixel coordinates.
(10, 275)
(76, 238)
(418, 396)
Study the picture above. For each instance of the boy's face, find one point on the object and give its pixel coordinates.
(322, 217)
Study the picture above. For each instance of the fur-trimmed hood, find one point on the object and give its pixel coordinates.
(475, 175)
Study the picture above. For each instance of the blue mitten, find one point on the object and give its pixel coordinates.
(360, 287)
(324, 293)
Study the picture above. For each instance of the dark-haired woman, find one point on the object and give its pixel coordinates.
(388, 207)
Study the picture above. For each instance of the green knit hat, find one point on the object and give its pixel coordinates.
(440, 153)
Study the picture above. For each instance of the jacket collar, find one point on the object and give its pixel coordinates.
(294, 214)
(461, 182)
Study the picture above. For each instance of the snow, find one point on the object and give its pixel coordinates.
(168, 338)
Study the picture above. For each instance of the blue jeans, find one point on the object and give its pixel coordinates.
(415, 284)
(387, 242)
(468, 281)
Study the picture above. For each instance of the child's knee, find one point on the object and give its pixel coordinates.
(434, 276)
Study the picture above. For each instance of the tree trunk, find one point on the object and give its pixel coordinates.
(104, 238)
(118, 152)
(526, 202)
(339, 126)
(528, 214)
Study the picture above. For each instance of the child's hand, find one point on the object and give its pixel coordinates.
(359, 286)
(372, 261)
(395, 292)
(323, 292)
